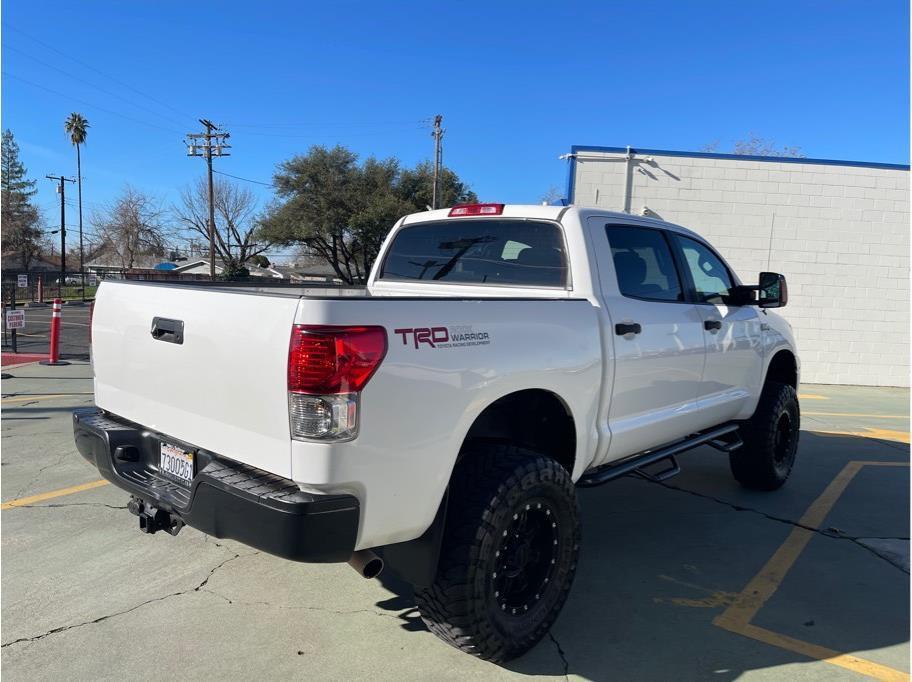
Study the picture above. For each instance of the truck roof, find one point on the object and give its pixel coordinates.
(549, 213)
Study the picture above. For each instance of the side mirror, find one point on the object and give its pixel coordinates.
(773, 290)
(742, 295)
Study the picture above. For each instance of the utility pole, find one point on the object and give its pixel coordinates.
(209, 144)
(61, 190)
(437, 134)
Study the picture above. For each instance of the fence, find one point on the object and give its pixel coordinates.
(46, 285)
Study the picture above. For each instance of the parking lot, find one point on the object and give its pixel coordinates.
(692, 579)
(35, 338)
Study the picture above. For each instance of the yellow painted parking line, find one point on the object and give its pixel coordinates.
(49, 396)
(821, 653)
(811, 396)
(856, 414)
(883, 434)
(736, 618)
(23, 501)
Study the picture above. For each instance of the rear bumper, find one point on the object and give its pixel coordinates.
(225, 499)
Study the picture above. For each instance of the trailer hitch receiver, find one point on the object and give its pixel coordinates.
(152, 519)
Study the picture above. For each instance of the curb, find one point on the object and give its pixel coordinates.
(22, 358)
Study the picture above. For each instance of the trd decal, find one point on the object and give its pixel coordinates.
(442, 337)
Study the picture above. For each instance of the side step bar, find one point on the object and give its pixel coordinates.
(724, 438)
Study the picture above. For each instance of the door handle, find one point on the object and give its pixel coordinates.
(169, 331)
(709, 325)
(623, 329)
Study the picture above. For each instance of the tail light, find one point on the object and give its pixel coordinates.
(327, 369)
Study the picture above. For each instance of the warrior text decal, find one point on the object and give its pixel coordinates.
(443, 337)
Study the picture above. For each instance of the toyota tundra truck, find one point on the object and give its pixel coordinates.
(439, 421)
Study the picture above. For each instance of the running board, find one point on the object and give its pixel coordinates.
(724, 438)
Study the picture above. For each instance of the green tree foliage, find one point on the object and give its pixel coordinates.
(77, 127)
(341, 209)
(21, 220)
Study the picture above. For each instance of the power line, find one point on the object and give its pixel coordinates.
(312, 135)
(238, 177)
(98, 71)
(88, 104)
(90, 84)
(324, 125)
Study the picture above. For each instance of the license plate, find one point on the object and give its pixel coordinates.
(176, 463)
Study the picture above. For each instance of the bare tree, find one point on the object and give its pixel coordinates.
(553, 194)
(132, 226)
(234, 220)
(754, 145)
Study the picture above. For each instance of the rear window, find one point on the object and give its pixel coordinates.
(486, 251)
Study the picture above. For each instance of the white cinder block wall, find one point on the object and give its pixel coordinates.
(838, 231)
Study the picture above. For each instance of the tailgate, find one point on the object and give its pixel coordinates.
(221, 387)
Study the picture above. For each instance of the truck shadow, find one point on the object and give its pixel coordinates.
(660, 561)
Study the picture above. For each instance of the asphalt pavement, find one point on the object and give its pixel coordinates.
(693, 579)
(35, 338)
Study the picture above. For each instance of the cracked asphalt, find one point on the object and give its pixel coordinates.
(85, 595)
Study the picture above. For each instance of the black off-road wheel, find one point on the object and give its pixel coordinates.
(509, 553)
(770, 438)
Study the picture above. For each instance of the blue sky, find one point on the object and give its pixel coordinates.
(517, 83)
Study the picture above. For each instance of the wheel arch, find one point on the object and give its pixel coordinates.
(783, 367)
(537, 419)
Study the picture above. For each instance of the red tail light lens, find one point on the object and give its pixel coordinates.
(325, 360)
(475, 209)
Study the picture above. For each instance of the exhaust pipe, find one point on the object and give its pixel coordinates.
(366, 563)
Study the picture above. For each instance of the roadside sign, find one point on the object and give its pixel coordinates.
(15, 319)
(93, 280)
(22, 281)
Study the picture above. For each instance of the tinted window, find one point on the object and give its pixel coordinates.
(711, 279)
(488, 251)
(643, 264)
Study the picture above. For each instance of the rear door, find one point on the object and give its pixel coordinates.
(734, 349)
(657, 334)
(201, 365)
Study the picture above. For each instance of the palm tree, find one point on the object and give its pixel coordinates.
(77, 127)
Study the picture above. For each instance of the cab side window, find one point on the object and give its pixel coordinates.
(643, 263)
(711, 278)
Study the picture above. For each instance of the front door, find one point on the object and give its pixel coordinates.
(657, 334)
(734, 349)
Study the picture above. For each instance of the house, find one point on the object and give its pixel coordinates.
(13, 261)
(310, 271)
(104, 260)
(200, 266)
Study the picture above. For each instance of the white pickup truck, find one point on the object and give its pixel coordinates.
(440, 420)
